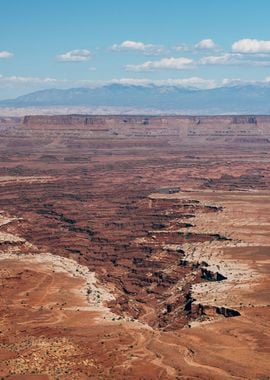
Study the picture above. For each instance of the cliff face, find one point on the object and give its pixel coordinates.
(144, 120)
(185, 129)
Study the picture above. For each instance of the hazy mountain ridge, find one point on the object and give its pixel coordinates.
(252, 98)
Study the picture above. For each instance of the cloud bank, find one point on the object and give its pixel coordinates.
(252, 46)
(138, 46)
(5, 54)
(77, 55)
(163, 64)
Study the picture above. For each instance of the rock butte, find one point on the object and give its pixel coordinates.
(135, 247)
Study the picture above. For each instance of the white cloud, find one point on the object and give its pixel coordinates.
(207, 43)
(256, 63)
(163, 64)
(183, 47)
(5, 54)
(194, 82)
(248, 45)
(77, 55)
(217, 60)
(190, 82)
(235, 59)
(16, 79)
(132, 81)
(137, 46)
(131, 45)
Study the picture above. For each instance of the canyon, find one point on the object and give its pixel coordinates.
(134, 247)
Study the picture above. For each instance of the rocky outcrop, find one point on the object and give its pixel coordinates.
(244, 120)
(200, 310)
(212, 276)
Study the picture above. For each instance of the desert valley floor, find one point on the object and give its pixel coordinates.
(135, 247)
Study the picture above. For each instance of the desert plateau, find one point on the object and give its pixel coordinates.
(135, 247)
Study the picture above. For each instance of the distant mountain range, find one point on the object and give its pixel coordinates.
(240, 99)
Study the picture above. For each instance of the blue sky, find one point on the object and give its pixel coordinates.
(70, 43)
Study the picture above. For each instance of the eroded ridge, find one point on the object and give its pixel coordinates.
(226, 280)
